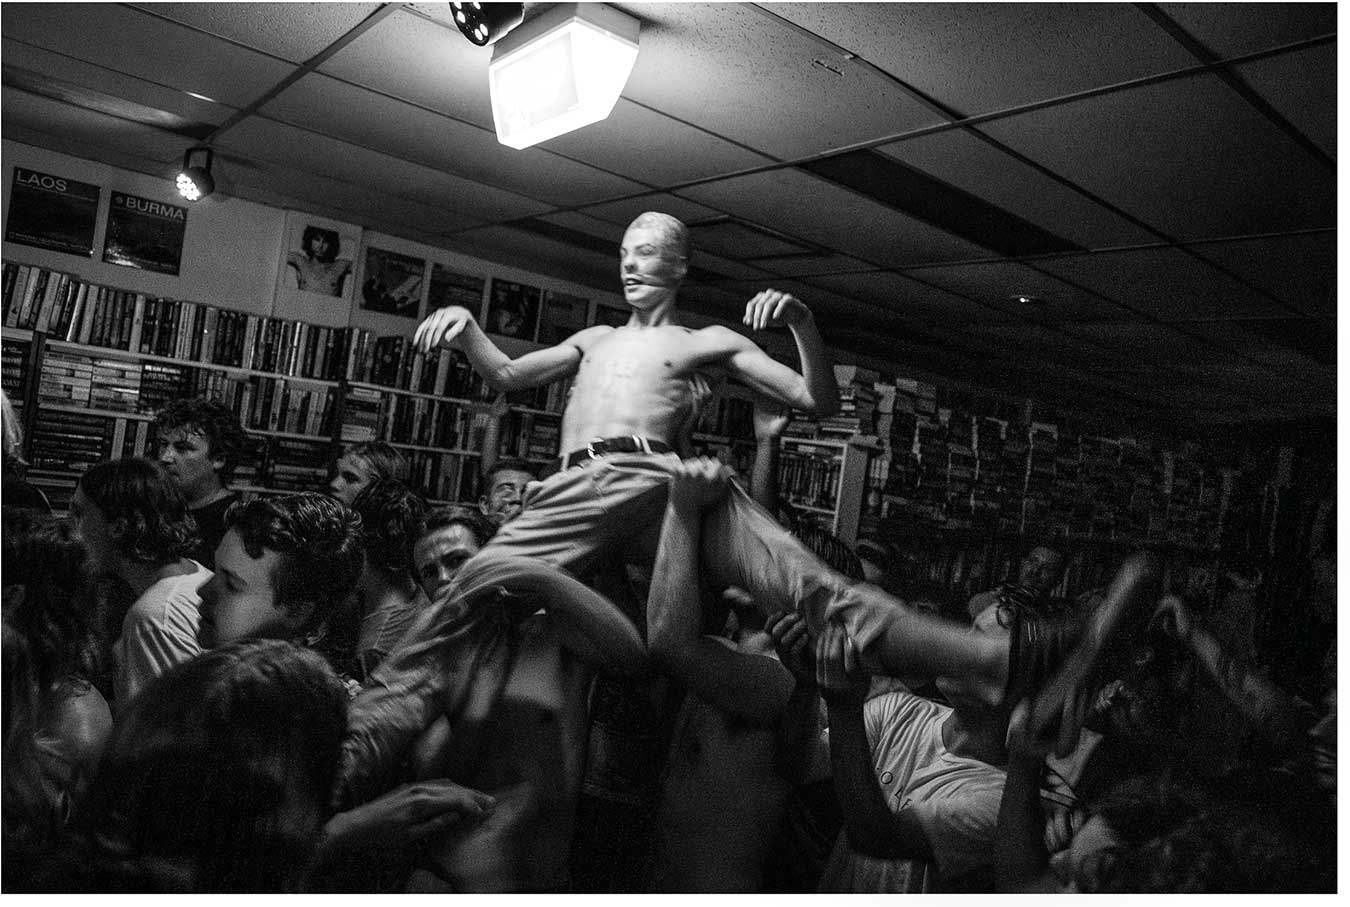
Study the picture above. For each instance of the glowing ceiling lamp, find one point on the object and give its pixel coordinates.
(194, 181)
(561, 70)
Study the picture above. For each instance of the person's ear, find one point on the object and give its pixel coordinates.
(217, 463)
(681, 268)
(483, 504)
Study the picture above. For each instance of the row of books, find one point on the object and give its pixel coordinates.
(809, 478)
(263, 403)
(533, 436)
(15, 356)
(445, 476)
(446, 424)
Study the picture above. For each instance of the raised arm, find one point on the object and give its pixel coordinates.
(753, 687)
(814, 390)
(871, 826)
(770, 420)
(454, 327)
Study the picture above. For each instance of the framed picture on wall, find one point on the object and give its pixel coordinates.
(52, 212)
(449, 287)
(513, 309)
(144, 233)
(611, 315)
(393, 283)
(319, 257)
(562, 316)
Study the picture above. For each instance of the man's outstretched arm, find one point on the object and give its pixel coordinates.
(454, 327)
(814, 390)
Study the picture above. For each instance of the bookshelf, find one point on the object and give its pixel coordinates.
(87, 366)
(824, 479)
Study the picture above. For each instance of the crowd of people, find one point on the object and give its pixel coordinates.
(628, 672)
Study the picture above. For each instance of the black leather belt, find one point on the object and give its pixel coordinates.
(623, 444)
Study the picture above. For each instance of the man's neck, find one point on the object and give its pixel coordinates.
(663, 314)
(141, 577)
(199, 500)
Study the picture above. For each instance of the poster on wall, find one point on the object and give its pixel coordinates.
(143, 233)
(319, 257)
(562, 316)
(513, 309)
(611, 315)
(52, 212)
(452, 288)
(393, 283)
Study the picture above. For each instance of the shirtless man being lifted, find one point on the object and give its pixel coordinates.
(633, 402)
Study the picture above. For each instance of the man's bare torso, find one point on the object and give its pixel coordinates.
(637, 381)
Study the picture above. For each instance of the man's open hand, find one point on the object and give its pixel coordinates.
(793, 645)
(773, 309)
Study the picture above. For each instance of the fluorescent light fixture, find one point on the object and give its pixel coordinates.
(559, 71)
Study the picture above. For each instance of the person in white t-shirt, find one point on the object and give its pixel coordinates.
(137, 527)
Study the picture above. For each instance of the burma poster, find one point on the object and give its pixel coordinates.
(52, 212)
(143, 233)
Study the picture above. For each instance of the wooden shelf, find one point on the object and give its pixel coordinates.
(86, 410)
(90, 350)
(439, 398)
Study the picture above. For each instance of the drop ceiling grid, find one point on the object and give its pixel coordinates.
(60, 68)
(977, 166)
(390, 126)
(291, 31)
(1166, 284)
(407, 57)
(128, 41)
(809, 208)
(1254, 178)
(92, 132)
(267, 140)
(750, 79)
(1299, 269)
(523, 249)
(1302, 87)
(1027, 52)
(1234, 29)
(671, 152)
(805, 266)
(906, 297)
(995, 282)
(79, 147)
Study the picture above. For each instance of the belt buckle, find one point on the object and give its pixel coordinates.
(590, 448)
(641, 443)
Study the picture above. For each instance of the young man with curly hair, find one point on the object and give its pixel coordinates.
(200, 442)
(137, 528)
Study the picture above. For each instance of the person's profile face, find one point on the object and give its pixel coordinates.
(438, 555)
(185, 456)
(239, 600)
(1040, 570)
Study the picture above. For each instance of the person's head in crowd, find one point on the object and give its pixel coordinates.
(285, 569)
(131, 515)
(363, 463)
(47, 595)
(391, 517)
(320, 244)
(1041, 570)
(200, 442)
(504, 489)
(1191, 829)
(217, 778)
(447, 538)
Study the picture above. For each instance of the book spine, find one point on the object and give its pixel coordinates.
(14, 302)
(34, 290)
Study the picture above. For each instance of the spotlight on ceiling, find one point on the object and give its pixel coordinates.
(562, 70)
(484, 23)
(194, 181)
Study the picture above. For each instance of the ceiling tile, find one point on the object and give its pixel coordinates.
(379, 173)
(1302, 87)
(1166, 284)
(1300, 269)
(291, 31)
(1026, 51)
(531, 252)
(91, 132)
(670, 151)
(59, 71)
(399, 129)
(1141, 150)
(422, 62)
(624, 211)
(1233, 29)
(145, 47)
(906, 298)
(803, 206)
(978, 167)
(805, 266)
(1247, 344)
(750, 78)
(993, 283)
